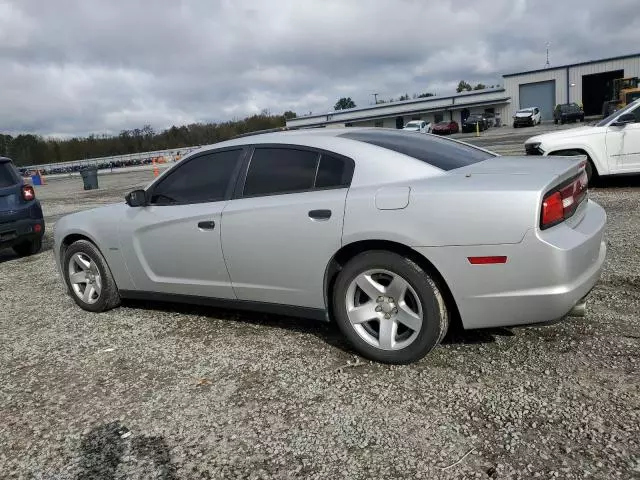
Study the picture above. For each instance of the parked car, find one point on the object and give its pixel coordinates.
(21, 220)
(421, 126)
(446, 127)
(611, 146)
(568, 112)
(527, 117)
(314, 223)
(474, 122)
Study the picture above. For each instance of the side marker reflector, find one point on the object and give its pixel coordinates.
(487, 260)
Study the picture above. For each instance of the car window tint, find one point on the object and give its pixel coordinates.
(439, 152)
(203, 179)
(7, 175)
(280, 170)
(332, 172)
(636, 112)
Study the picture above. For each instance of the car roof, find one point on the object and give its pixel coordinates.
(5, 159)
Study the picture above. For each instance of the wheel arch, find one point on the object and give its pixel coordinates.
(73, 237)
(582, 150)
(350, 250)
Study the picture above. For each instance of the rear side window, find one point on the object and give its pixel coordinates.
(333, 172)
(280, 170)
(203, 179)
(439, 152)
(8, 175)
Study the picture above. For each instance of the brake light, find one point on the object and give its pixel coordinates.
(28, 193)
(562, 202)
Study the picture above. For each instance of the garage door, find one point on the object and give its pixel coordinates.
(539, 94)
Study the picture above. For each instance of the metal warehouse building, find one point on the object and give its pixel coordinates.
(587, 83)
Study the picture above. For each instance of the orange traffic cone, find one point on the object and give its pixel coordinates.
(156, 171)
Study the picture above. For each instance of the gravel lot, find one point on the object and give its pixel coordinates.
(206, 393)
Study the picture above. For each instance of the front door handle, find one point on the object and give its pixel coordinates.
(320, 214)
(208, 225)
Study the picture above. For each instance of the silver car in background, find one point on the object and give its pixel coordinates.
(390, 234)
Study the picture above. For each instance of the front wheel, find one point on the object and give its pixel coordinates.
(88, 277)
(389, 308)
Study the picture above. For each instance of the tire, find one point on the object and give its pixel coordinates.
(30, 247)
(105, 295)
(555, 121)
(514, 125)
(420, 294)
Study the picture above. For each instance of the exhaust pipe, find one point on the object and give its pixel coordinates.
(579, 309)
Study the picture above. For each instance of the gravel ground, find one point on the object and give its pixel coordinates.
(171, 391)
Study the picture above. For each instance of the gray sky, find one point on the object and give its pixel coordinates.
(88, 66)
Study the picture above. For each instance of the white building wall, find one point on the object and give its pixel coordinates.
(512, 87)
(631, 67)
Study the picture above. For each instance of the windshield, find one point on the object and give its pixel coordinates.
(525, 111)
(412, 125)
(473, 118)
(442, 124)
(605, 121)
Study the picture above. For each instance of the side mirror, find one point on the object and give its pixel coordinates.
(137, 198)
(622, 120)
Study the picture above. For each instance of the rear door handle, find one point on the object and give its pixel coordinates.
(208, 225)
(320, 214)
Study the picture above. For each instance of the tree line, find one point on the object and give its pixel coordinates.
(29, 149)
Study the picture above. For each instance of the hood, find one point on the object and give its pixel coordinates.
(412, 128)
(569, 133)
(106, 212)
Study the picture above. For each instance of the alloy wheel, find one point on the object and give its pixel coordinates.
(384, 309)
(85, 278)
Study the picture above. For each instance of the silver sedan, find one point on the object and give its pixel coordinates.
(391, 235)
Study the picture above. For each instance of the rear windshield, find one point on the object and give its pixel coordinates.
(7, 175)
(439, 152)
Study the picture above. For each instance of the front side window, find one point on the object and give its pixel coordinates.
(202, 179)
(280, 170)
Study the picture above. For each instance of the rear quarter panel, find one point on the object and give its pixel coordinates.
(446, 210)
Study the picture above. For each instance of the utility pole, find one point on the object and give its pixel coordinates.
(375, 98)
(547, 65)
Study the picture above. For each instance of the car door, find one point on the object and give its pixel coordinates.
(285, 224)
(623, 145)
(172, 245)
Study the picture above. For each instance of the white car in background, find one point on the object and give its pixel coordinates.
(527, 117)
(421, 126)
(611, 146)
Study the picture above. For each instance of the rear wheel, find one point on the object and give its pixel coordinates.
(88, 277)
(389, 308)
(29, 247)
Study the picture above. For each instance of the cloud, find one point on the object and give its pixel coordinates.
(89, 66)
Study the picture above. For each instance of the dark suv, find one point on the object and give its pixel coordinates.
(568, 112)
(21, 220)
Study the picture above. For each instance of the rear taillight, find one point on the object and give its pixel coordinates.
(28, 193)
(562, 202)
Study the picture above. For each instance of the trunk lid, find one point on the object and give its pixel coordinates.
(543, 174)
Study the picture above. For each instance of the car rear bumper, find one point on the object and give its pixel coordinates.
(18, 231)
(545, 275)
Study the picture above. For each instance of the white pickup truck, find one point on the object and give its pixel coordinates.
(612, 146)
